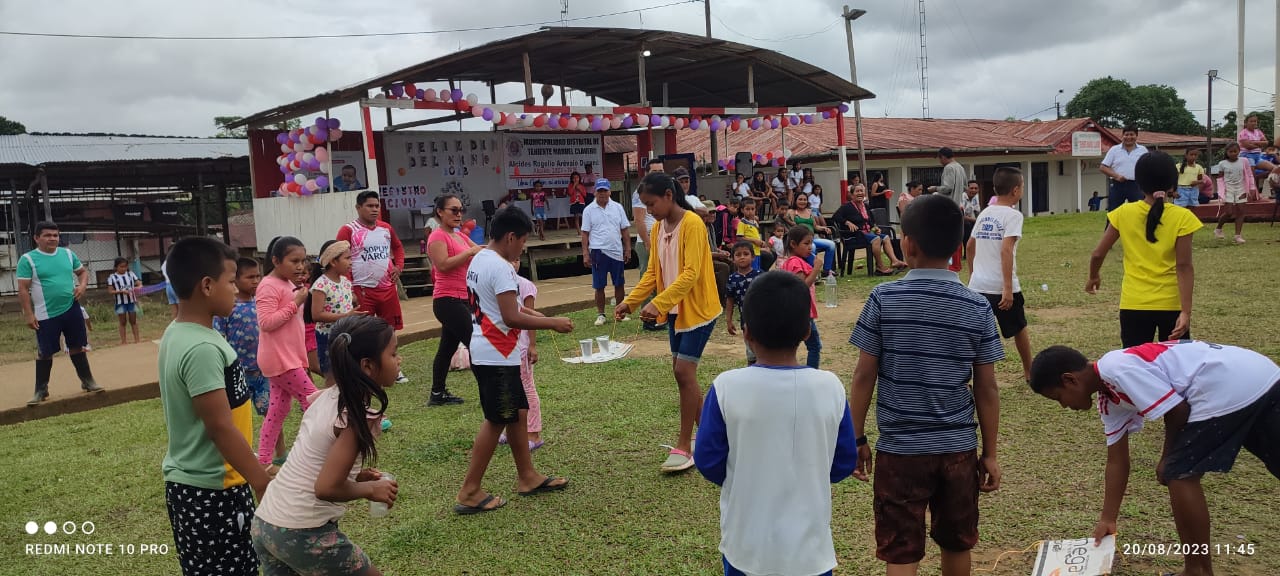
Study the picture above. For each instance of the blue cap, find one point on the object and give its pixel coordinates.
(603, 184)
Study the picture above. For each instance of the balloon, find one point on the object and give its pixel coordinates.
(721, 164)
(409, 90)
(540, 120)
(311, 186)
(321, 122)
(664, 121)
(284, 168)
(322, 181)
(584, 124)
(477, 112)
(769, 155)
(299, 179)
(308, 157)
(469, 225)
(429, 95)
(564, 122)
(463, 105)
(615, 123)
(655, 120)
(334, 124)
(844, 108)
(678, 123)
(297, 147)
(487, 114)
(715, 118)
(694, 123)
(628, 121)
(335, 134)
(456, 94)
(472, 99)
(785, 121)
(795, 120)
(283, 189)
(324, 168)
(774, 123)
(714, 125)
(826, 114)
(308, 146)
(397, 90)
(281, 137)
(643, 120)
(594, 124)
(735, 125)
(808, 118)
(445, 95)
(754, 123)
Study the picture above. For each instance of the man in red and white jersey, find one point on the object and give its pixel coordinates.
(377, 258)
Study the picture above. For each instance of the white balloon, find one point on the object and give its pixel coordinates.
(324, 168)
(664, 121)
(786, 152)
(715, 118)
(584, 124)
(299, 179)
(472, 99)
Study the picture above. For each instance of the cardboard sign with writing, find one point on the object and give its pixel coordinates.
(1075, 557)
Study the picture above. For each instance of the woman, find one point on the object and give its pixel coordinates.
(681, 275)
(879, 196)
(1155, 297)
(815, 198)
(450, 251)
(804, 215)
(858, 220)
(577, 198)
(763, 193)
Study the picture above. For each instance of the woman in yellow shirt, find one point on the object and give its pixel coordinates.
(1190, 175)
(1155, 297)
(680, 273)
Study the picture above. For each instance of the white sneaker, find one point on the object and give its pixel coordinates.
(600, 320)
(1239, 239)
(624, 319)
(402, 379)
(1217, 233)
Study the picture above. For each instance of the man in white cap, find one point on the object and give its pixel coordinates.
(606, 245)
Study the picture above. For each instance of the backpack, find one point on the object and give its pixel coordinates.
(725, 226)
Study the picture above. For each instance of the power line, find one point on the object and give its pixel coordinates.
(332, 36)
(784, 39)
(1221, 79)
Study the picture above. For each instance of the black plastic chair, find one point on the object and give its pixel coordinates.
(489, 209)
(849, 243)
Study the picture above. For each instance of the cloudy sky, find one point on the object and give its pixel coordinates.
(987, 58)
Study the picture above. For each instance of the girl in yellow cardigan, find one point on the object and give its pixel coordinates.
(681, 275)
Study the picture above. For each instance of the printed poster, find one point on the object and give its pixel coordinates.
(551, 158)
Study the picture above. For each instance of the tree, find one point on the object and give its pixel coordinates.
(10, 127)
(223, 132)
(1114, 103)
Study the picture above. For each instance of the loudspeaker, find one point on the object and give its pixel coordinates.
(743, 164)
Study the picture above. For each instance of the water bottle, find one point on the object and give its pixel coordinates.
(831, 295)
(378, 509)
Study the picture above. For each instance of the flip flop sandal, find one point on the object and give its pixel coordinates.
(546, 486)
(464, 510)
(535, 445)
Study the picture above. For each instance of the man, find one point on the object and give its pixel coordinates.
(644, 223)
(720, 259)
(377, 258)
(681, 176)
(953, 176)
(51, 281)
(1095, 203)
(347, 181)
(971, 206)
(606, 246)
(1118, 166)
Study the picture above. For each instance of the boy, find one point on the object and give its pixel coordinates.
(241, 331)
(1214, 400)
(749, 231)
(210, 465)
(993, 261)
(739, 281)
(495, 361)
(775, 437)
(124, 285)
(925, 410)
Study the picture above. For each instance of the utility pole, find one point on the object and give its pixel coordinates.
(1058, 105)
(706, 8)
(849, 17)
(1208, 122)
(1240, 63)
(1276, 128)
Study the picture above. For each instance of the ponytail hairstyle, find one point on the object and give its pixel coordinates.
(316, 272)
(352, 340)
(1156, 175)
(280, 247)
(659, 183)
(796, 235)
(1182, 166)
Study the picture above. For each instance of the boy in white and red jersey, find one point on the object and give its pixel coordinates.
(377, 258)
(1214, 399)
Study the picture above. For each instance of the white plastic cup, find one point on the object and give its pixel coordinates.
(378, 509)
(586, 347)
(603, 343)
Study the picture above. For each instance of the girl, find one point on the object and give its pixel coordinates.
(778, 242)
(282, 349)
(332, 298)
(1190, 176)
(741, 189)
(451, 252)
(804, 215)
(295, 528)
(681, 274)
(1234, 186)
(879, 198)
(577, 200)
(799, 249)
(1155, 297)
(1251, 139)
(881, 244)
(538, 204)
(815, 198)
(763, 194)
(528, 345)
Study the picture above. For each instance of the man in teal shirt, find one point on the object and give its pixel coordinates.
(51, 281)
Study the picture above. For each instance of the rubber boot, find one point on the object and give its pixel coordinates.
(81, 362)
(44, 367)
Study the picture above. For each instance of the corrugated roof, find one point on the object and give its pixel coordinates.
(619, 144)
(36, 150)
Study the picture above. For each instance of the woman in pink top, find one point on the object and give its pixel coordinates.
(451, 252)
(282, 349)
(1252, 140)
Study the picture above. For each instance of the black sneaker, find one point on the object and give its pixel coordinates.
(654, 327)
(444, 399)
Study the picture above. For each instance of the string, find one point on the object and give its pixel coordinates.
(1006, 553)
(613, 330)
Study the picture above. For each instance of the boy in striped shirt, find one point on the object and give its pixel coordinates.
(124, 285)
(927, 455)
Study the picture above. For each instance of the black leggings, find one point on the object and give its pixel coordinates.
(1137, 326)
(454, 315)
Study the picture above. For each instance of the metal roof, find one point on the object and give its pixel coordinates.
(603, 62)
(36, 150)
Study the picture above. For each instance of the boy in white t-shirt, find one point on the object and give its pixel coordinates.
(775, 436)
(497, 321)
(1214, 399)
(993, 261)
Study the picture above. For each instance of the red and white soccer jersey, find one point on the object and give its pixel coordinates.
(493, 343)
(1147, 381)
(374, 253)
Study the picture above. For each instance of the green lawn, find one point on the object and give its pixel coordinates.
(18, 345)
(604, 424)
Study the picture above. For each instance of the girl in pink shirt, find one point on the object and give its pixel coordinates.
(282, 348)
(799, 247)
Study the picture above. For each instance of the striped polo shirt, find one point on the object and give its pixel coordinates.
(928, 330)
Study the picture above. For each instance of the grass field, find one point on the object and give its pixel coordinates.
(604, 424)
(18, 345)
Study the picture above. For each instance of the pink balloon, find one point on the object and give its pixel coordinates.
(335, 134)
(429, 95)
(477, 111)
(308, 146)
(311, 186)
(322, 154)
(678, 123)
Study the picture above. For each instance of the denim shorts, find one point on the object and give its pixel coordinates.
(604, 269)
(688, 345)
(1188, 196)
(540, 212)
(126, 308)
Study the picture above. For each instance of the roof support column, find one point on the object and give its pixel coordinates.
(644, 87)
(370, 155)
(528, 79)
(751, 84)
(1031, 189)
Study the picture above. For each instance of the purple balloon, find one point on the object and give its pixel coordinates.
(487, 114)
(292, 156)
(420, 94)
(655, 120)
(808, 118)
(321, 122)
(397, 90)
(754, 123)
(774, 123)
(322, 181)
(456, 93)
(334, 123)
(694, 123)
(715, 126)
(720, 163)
(627, 122)
(844, 108)
(281, 138)
(284, 169)
(595, 124)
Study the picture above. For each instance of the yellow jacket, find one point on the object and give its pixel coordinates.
(694, 289)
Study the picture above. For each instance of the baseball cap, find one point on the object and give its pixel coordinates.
(709, 205)
(603, 184)
(680, 173)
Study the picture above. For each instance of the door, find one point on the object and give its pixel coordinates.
(1039, 187)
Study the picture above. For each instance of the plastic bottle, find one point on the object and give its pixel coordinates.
(378, 509)
(831, 291)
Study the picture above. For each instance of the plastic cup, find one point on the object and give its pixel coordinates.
(586, 347)
(603, 343)
(378, 509)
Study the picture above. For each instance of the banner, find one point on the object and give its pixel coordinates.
(1075, 557)
(551, 158)
(408, 197)
(466, 164)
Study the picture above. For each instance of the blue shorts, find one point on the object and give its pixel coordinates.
(688, 346)
(755, 262)
(68, 325)
(259, 390)
(540, 212)
(322, 350)
(168, 291)
(1188, 196)
(129, 308)
(603, 267)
